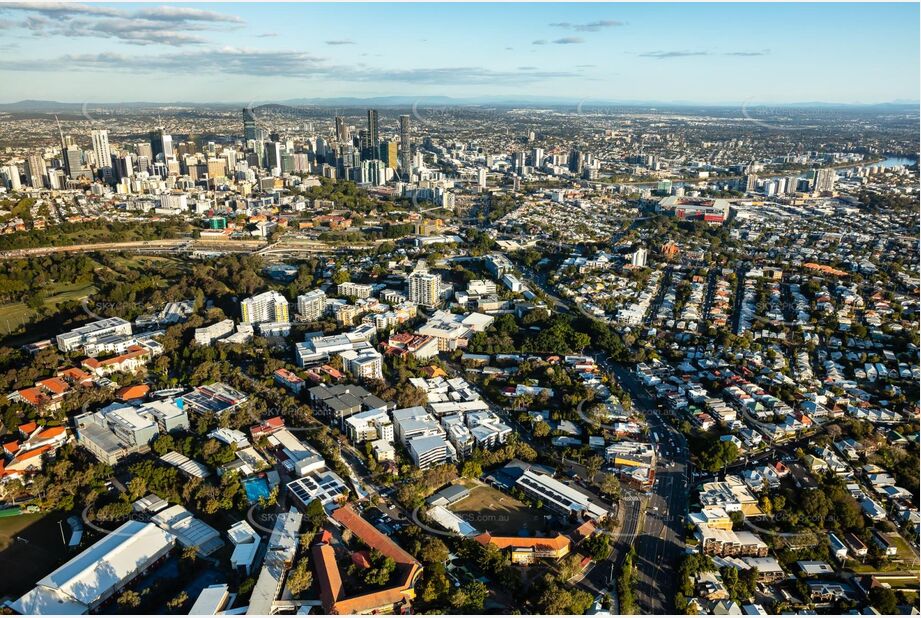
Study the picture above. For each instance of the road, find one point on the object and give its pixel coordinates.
(660, 544)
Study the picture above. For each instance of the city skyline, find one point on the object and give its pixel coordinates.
(211, 53)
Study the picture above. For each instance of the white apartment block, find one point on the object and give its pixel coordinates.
(428, 451)
(355, 290)
(415, 422)
(366, 363)
(424, 289)
(370, 425)
(311, 306)
(266, 307)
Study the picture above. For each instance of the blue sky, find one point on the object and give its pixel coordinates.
(230, 52)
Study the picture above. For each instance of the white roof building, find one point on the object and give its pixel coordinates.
(189, 530)
(86, 581)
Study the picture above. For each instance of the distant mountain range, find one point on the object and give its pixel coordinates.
(442, 101)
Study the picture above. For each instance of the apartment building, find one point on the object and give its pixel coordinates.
(355, 290)
(311, 306)
(369, 425)
(269, 306)
(424, 289)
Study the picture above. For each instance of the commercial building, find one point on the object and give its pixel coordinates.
(85, 582)
(454, 331)
(209, 334)
(279, 557)
(709, 210)
(79, 337)
(116, 432)
(216, 397)
(326, 486)
(269, 306)
(558, 496)
(188, 529)
(297, 457)
(212, 600)
(403, 344)
(341, 401)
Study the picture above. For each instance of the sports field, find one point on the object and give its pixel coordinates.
(488, 509)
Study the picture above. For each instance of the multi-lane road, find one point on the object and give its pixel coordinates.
(660, 543)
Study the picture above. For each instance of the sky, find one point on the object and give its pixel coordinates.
(719, 53)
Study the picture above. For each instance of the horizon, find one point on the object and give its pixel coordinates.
(685, 54)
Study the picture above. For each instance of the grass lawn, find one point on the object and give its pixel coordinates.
(488, 509)
(14, 315)
(40, 550)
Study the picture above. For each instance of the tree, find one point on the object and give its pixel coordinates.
(129, 599)
(884, 600)
(592, 466)
(179, 600)
(471, 597)
(472, 469)
(433, 551)
(541, 430)
(315, 513)
(597, 546)
(610, 485)
(300, 578)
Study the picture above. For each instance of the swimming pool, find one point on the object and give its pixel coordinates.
(256, 488)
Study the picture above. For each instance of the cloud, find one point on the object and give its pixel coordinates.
(60, 9)
(267, 35)
(539, 42)
(662, 55)
(340, 42)
(747, 54)
(263, 63)
(185, 14)
(166, 25)
(593, 26)
(569, 40)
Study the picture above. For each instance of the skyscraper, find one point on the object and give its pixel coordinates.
(406, 149)
(374, 140)
(389, 154)
(824, 180)
(249, 124)
(751, 182)
(73, 162)
(575, 161)
(102, 152)
(343, 134)
(161, 144)
(35, 171)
